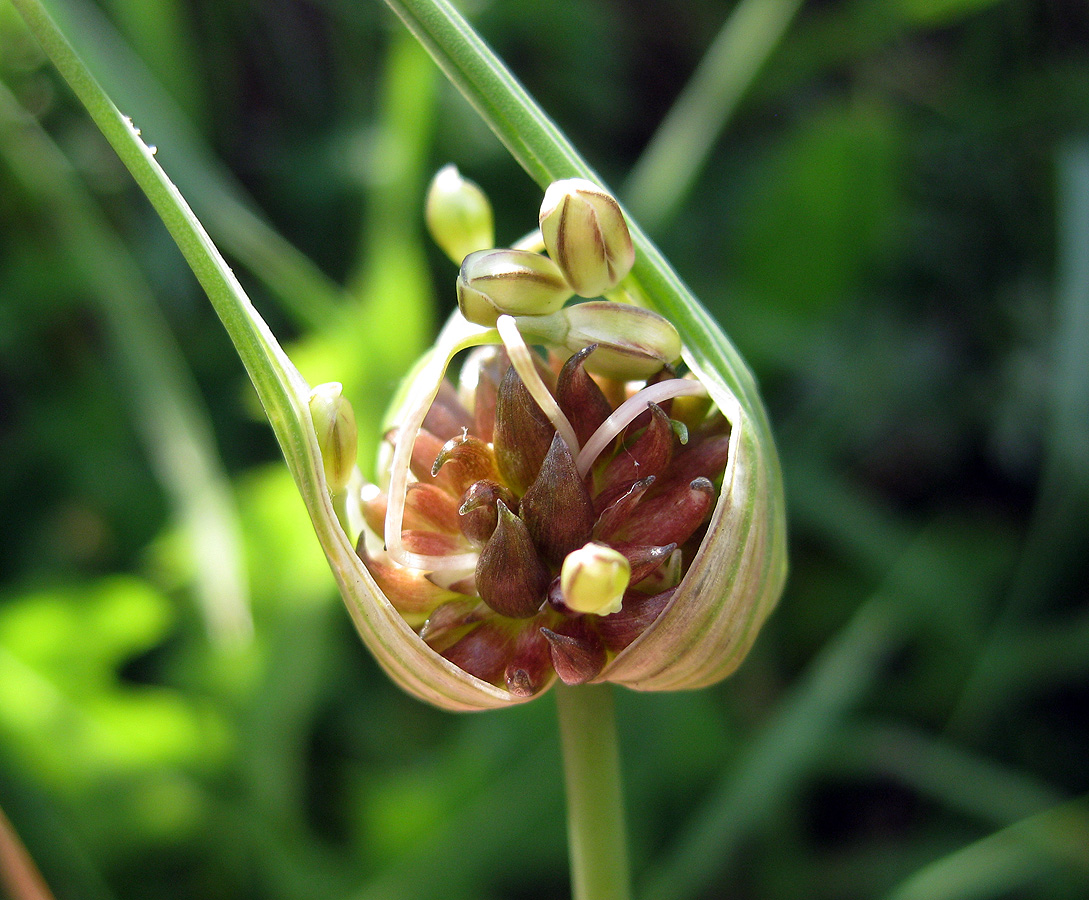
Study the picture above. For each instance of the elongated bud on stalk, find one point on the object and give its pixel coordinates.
(451, 621)
(585, 233)
(530, 666)
(616, 514)
(467, 460)
(647, 457)
(479, 510)
(557, 507)
(334, 424)
(632, 343)
(638, 612)
(459, 216)
(523, 434)
(644, 561)
(580, 397)
(673, 515)
(509, 282)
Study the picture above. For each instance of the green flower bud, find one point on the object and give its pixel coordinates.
(585, 233)
(509, 282)
(593, 579)
(631, 342)
(334, 423)
(458, 214)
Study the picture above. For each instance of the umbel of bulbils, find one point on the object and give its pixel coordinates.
(558, 496)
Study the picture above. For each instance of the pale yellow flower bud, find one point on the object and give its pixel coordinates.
(593, 579)
(631, 342)
(509, 282)
(585, 233)
(459, 215)
(334, 424)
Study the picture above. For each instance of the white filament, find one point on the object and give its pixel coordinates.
(425, 387)
(628, 411)
(522, 360)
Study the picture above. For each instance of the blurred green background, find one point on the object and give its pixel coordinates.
(892, 222)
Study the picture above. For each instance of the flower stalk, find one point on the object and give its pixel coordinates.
(596, 835)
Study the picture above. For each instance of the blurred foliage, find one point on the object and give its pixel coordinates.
(893, 226)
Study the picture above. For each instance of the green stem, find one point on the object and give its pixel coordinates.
(595, 809)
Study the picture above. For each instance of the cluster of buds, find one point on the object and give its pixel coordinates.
(558, 508)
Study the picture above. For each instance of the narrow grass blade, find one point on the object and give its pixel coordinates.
(168, 411)
(1056, 541)
(1056, 840)
(679, 149)
(964, 782)
(306, 293)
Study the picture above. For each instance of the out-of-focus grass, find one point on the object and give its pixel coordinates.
(168, 412)
(876, 228)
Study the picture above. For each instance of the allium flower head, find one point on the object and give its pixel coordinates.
(561, 496)
(504, 497)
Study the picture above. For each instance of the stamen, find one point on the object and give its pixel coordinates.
(628, 411)
(522, 360)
